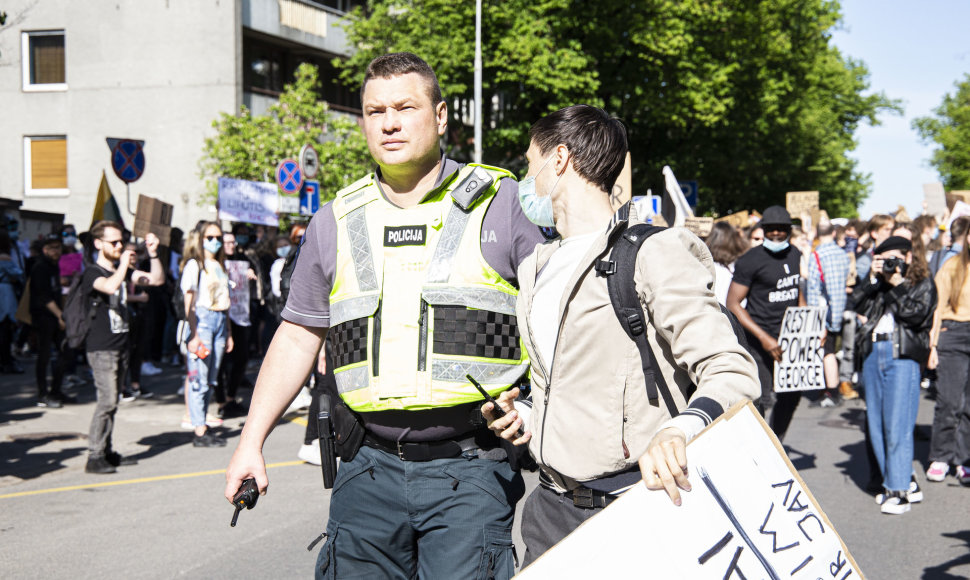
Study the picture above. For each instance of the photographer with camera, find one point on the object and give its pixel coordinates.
(895, 306)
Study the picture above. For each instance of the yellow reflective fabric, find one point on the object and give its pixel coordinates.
(379, 243)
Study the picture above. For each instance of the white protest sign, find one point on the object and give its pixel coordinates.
(749, 515)
(800, 368)
(934, 198)
(960, 209)
(238, 291)
(250, 202)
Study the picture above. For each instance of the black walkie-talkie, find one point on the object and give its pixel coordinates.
(245, 498)
(497, 409)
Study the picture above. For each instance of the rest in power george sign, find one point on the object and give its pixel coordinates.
(800, 367)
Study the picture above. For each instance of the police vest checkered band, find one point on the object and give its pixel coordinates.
(439, 269)
(360, 249)
(481, 298)
(478, 333)
(349, 342)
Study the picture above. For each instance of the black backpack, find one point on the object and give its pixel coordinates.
(79, 311)
(619, 269)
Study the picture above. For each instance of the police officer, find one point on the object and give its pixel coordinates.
(412, 271)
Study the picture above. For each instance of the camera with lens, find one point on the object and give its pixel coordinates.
(890, 265)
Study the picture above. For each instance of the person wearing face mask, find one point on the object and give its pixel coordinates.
(768, 277)
(205, 286)
(585, 369)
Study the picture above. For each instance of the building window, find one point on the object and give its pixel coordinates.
(45, 166)
(43, 57)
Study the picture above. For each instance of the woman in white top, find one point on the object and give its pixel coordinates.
(207, 310)
(726, 246)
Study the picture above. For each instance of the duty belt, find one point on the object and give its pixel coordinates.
(425, 451)
(584, 497)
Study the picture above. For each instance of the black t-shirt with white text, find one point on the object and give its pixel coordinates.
(772, 281)
(109, 328)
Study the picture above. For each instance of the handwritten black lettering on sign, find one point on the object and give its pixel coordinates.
(792, 533)
(395, 236)
(800, 368)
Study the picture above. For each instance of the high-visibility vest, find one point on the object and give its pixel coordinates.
(414, 306)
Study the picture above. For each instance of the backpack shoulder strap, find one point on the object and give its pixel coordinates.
(619, 270)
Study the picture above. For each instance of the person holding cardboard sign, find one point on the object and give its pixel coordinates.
(602, 423)
(768, 277)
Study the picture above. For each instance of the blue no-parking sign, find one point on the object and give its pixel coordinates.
(690, 192)
(289, 177)
(127, 158)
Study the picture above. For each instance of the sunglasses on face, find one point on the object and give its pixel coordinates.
(114, 243)
(210, 238)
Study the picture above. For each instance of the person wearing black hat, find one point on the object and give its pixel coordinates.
(45, 315)
(768, 277)
(895, 306)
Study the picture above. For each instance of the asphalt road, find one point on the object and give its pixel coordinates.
(165, 517)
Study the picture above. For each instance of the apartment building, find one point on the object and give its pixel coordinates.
(73, 74)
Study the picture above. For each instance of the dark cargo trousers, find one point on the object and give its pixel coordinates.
(446, 518)
(547, 518)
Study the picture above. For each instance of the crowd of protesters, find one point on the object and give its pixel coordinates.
(219, 293)
(229, 307)
(897, 300)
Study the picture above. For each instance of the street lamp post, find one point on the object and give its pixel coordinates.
(478, 81)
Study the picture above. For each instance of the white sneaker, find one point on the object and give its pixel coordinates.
(938, 471)
(150, 370)
(310, 453)
(302, 401)
(895, 504)
(913, 495)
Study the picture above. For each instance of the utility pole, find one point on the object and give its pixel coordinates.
(478, 81)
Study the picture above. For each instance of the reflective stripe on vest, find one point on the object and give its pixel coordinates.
(415, 307)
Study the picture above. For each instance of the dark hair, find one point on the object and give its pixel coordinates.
(65, 227)
(402, 63)
(725, 243)
(220, 257)
(958, 229)
(596, 141)
(879, 221)
(97, 230)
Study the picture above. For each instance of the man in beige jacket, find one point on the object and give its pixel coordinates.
(593, 429)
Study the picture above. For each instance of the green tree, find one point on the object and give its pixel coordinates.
(949, 129)
(749, 98)
(250, 147)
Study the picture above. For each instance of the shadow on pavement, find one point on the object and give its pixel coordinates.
(801, 460)
(162, 442)
(940, 572)
(20, 463)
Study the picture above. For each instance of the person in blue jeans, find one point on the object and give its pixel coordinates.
(207, 310)
(895, 306)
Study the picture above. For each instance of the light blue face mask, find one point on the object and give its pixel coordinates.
(537, 209)
(284, 251)
(775, 247)
(212, 245)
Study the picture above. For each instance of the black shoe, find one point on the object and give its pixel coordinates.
(49, 402)
(116, 459)
(128, 395)
(233, 409)
(66, 399)
(208, 440)
(99, 465)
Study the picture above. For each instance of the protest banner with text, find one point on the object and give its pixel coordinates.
(251, 202)
(748, 515)
(800, 368)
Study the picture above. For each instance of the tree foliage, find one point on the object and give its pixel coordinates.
(949, 129)
(248, 146)
(749, 98)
